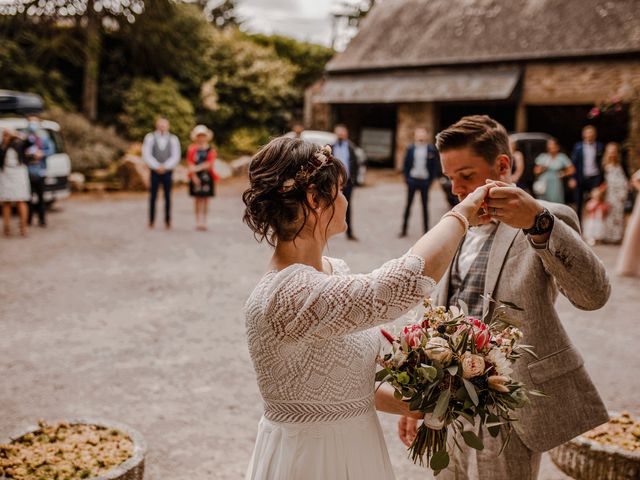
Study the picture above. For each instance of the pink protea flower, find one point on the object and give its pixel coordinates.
(387, 335)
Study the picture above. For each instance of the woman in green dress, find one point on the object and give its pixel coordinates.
(551, 168)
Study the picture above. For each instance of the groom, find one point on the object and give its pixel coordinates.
(531, 251)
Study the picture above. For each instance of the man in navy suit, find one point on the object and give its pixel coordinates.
(343, 150)
(587, 158)
(421, 167)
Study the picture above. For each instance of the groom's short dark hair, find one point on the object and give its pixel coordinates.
(486, 137)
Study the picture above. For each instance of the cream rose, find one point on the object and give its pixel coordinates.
(438, 349)
(472, 365)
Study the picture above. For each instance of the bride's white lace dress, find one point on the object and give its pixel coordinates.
(313, 348)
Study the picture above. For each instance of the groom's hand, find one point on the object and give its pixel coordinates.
(512, 205)
(407, 428)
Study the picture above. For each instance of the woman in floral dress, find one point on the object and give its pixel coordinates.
(617, 190)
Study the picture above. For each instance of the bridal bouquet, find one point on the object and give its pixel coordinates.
(452, 366)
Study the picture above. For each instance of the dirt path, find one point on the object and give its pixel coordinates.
(101, 317)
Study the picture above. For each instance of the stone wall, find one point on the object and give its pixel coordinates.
(410, 117)
(592, 82)
(317, 116)
(574, 83)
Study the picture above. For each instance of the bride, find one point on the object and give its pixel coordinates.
(310, 321)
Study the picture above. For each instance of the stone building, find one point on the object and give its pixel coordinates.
(534, 65)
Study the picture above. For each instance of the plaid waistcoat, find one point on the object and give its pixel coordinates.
(471, 288)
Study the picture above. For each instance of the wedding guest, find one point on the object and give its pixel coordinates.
(202, 177)
(518, 167)
(629, 256)
(617, 187)
(310, 321)
(529, 254)
(597, 211)
(421, 167)
(551, 168)
(344, 151)
(14, 180)
(161, 152)
(587, 159)
(37, 148)
(297, 130)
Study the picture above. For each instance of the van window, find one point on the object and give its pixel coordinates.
(52, 136)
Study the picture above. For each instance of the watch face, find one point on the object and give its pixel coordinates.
(544, 223)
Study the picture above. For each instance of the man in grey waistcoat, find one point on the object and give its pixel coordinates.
(161, 152)
(530, 252)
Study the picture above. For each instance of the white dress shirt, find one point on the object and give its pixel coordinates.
(589, 165)
(162, 139)
(419, 169)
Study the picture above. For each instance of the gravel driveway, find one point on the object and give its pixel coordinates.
(101, 317)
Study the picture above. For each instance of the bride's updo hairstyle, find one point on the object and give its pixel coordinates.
(280, 175)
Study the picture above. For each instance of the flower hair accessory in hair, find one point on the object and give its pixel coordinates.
(321, 158)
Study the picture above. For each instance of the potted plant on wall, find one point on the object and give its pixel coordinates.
(610, 451)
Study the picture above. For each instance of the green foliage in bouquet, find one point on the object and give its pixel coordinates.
(453, 367)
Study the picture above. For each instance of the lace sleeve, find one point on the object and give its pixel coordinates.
(326, 306)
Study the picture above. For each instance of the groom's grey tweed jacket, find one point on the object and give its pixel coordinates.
(531, 278)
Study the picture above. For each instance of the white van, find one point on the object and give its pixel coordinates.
(56, 182)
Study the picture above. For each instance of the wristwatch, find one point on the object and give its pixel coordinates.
(542, 224)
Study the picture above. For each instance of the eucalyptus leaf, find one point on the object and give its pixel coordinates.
(428, 372)
(538, 393)
(472, 440)
(439, 460)
(472, 391)
(442, 404)
(512, 305)
(494, 431)
(452, 369)
(415, 402)
(403, 378)
(382, 375)
(464, 307)
(461, 394)
(528, 350)
(397, 395)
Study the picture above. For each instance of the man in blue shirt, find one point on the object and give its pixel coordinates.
(38, 148)
(344, 151)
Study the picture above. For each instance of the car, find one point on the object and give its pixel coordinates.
(56, 181)
(320, 137)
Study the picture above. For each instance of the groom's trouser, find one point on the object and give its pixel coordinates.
(515, 462)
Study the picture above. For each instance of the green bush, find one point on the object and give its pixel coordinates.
(89, 146)
(251, 87)
(146, 100)
(248, 140)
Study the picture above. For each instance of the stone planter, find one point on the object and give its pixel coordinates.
(131, 469)
(586, 459)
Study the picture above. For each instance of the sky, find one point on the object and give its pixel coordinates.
(308, 20)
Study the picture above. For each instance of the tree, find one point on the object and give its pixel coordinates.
(92, 16)
(250, 87)
(221, 13)
(146, 100)
(308, 58)
(169, 40)
(346, 19)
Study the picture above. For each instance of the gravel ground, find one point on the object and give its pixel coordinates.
(101, 317)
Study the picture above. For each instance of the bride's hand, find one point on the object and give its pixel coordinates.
(473, 206)
(407, 429)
